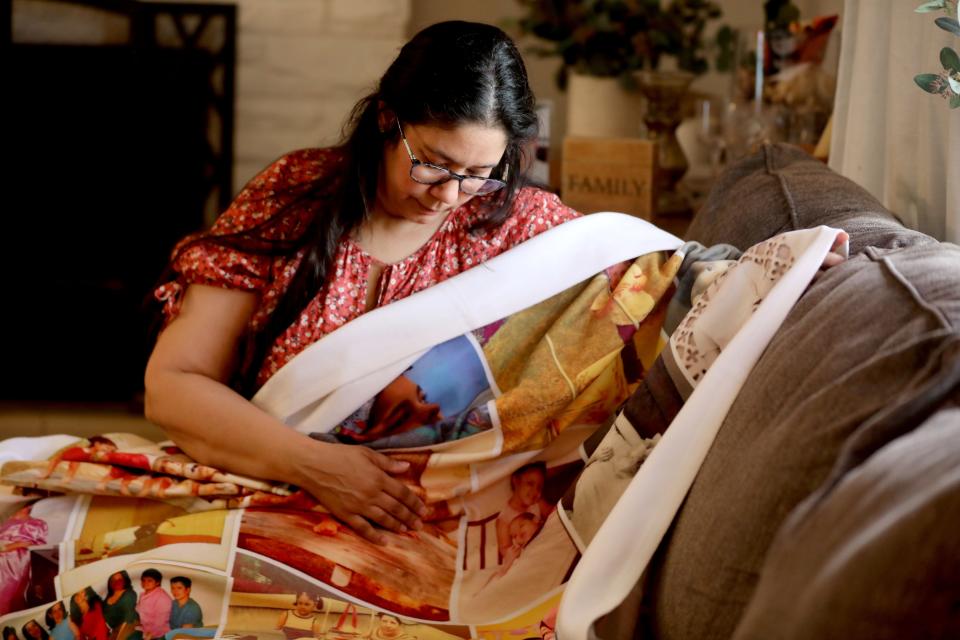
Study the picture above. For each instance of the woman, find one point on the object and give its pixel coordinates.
(120, 608)
(33, 631)
(86, 612)
(61, 628)
(390, 628)
(427, 183)
(17, 533)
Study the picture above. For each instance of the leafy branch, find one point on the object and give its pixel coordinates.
(947, 82)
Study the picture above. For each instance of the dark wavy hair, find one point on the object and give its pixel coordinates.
(10, 632)
(127, 582)
(93, 601)
(48, 616)
(43, 632)
(448, 74)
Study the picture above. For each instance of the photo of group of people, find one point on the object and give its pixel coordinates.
(443, 397)
(165, 607)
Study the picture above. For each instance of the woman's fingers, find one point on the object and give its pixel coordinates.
(399, 511)
(363, 527)
(393, 487)
(842, 238)
(380, 516)
(387, 463)
(832, 260)
(405, 496)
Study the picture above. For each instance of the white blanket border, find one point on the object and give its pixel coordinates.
(310, 395)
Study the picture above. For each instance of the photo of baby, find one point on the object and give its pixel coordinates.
(514, 542)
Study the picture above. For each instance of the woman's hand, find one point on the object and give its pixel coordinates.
(836, 255)
(356, 485)
(837, 252)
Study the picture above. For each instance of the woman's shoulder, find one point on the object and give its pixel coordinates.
(302, 165)
(277, 186)
(534, 210)
(535, 201)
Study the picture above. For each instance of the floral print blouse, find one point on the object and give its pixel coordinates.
(452, 249)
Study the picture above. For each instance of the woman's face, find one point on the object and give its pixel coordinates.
(116, 582)
(467, 149)
(34, 629)
(400, 407)
(389, 627)
(80, 597)
(57, 613)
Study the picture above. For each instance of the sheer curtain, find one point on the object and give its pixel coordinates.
(897, 141)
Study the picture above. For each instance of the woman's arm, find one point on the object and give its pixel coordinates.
(187, 395)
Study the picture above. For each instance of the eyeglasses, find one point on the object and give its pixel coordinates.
(426, 173)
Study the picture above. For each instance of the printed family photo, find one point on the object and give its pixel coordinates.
(146, 601)
(28, 539)
(114, 526)
(269, 595)
(411, 575)
(443, 397)
(514, 542)
(613, 461)
(537, 623)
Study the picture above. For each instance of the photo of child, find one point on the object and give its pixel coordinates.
(302, 620)
(526, 499)
(514, 542)
(441, 398)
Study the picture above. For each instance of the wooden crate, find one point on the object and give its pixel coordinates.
(609, 174)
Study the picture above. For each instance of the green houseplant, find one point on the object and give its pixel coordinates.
(612, 38)
(946, 83)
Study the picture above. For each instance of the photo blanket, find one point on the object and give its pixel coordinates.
(500, 386)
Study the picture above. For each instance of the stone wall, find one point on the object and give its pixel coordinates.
(302, 65)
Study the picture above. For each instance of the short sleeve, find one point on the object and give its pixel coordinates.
(210, 258)
(534, 211)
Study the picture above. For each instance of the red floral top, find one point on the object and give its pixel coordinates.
(451, 250)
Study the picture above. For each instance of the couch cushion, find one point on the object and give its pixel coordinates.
(859, 342)
(781, 188)
(876, 554)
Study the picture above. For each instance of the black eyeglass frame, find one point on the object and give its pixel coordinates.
(450, 175)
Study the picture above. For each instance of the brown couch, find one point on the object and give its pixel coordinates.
(829, 504)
